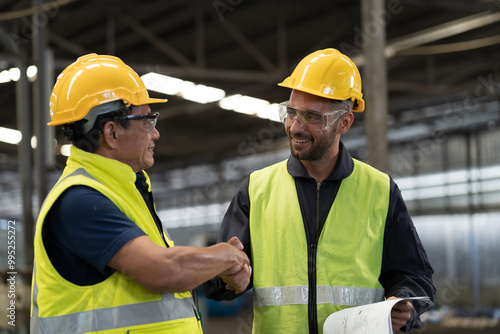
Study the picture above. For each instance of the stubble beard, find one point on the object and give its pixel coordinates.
(318, 150)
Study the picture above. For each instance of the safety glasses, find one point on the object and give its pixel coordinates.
(148, 121)
(308, 120)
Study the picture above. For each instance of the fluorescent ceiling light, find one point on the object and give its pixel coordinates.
(13, 74)
(32, 71)
(13, 136)
(270, 112)
(65, 149)
(162, 83)
(230, 102)
(243, 104)
(34, 142)
(10, 136)
(206, 94)
(251, 106)
(185, 89)
(5, 76)
(201, 93)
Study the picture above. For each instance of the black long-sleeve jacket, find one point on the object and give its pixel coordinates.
(405, 271)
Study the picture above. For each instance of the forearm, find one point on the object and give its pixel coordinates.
(188, 267)
(174, 269)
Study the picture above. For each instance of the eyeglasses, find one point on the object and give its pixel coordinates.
(309, 120)
(148, 121)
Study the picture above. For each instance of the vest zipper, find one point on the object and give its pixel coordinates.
(311, 270)
(318, 185)
(312, 305)
(311, 256)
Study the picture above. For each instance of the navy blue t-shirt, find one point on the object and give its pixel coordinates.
(82, 232)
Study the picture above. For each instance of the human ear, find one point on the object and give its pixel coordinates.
(345, 123)
(109, 134)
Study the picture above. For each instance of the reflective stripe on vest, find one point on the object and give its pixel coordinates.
(167, 309)
(335, 295)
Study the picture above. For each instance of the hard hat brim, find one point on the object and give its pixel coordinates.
(156, 101)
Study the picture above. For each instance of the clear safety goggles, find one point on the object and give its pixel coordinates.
(148, 122)
(308, 120)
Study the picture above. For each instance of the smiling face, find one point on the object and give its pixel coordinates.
(311, 145)
(136, 145)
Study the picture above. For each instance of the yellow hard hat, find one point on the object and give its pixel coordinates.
(330, 74)
(94, 80)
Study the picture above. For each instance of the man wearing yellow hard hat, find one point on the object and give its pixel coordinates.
(103, 262)
(324, 231)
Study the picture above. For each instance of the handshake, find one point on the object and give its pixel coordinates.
(237, 277)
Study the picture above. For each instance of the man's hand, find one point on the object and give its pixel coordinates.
(236, 243)
(238, 277)
(238, 282)
(400, 314)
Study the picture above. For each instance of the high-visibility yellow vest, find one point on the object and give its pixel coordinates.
(298, 282)
(118, 304)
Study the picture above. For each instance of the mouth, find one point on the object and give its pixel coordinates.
(299, 140)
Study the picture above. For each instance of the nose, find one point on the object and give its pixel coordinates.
(296, 125)
(155, 134)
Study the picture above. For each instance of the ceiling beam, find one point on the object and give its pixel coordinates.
(244, 42)
(45, 7)
(452, 47)
(111, 33)
(411, 87)
(7, 42)
(156, 41)
(442, 31)
(281, 33)
(200, 32)
(67, 45)
(167, 24)
(438, 32)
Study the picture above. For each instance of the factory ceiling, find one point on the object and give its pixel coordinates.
(442, 60)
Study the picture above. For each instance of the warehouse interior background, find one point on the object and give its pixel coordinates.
(431, 80)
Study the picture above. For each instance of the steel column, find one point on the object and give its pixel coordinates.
(25, 159)
(44, 156)
(375, 83)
